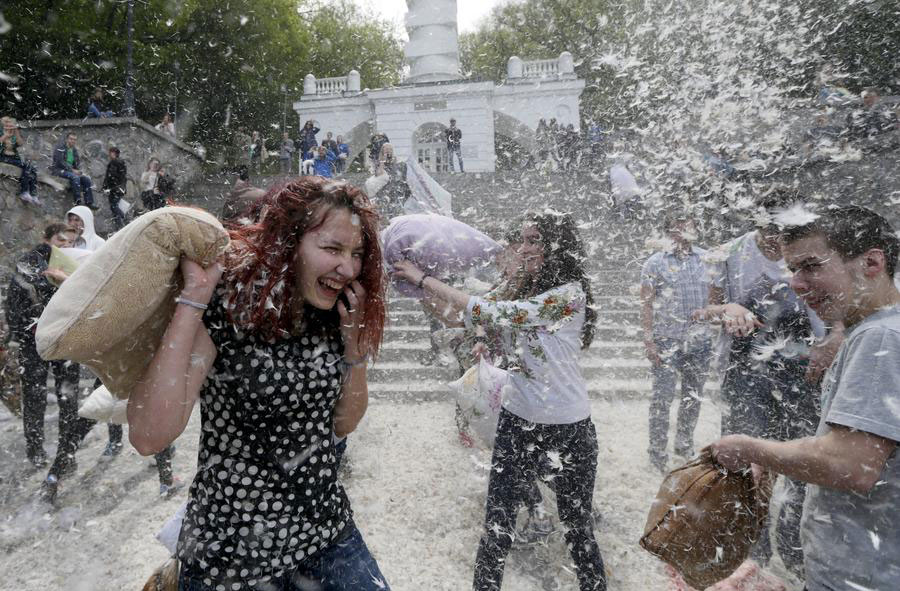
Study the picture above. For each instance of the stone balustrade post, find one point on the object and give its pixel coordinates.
(354, 83)
(514, 67)
(309, 84)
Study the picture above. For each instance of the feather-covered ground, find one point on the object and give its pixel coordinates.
(418, 496)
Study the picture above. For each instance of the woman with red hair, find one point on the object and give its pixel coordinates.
(274, 344)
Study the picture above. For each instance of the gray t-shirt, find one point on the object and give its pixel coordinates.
(852, 541)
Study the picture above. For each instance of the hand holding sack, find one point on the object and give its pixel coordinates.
(704, 520)
(111, 313)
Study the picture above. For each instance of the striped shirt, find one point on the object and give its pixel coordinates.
(680, 286)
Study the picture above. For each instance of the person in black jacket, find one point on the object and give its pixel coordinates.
(30, 289)
(454, 144)
(114, 185)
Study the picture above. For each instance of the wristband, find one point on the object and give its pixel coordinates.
(421, 282)
(191, 303)
(348, 365)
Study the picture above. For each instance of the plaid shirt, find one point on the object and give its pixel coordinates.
(680, 286)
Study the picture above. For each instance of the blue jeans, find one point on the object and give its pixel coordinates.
(346, 565)
(28, 180)
(691, 360)
(82, 187)
(458, 151)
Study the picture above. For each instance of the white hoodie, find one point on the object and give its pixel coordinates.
(88, 239)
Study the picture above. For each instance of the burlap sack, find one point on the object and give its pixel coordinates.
(164, 578)
(111, 313)
(704, 520)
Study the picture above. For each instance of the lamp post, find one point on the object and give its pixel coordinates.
(129, 64)
(284, 109)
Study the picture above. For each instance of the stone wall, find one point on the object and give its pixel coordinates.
(137, 141)
(21, 225)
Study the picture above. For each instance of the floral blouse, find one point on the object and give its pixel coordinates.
(541, 338)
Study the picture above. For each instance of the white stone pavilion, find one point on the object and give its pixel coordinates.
(415, 114)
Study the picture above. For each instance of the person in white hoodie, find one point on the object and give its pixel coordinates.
(81, 219)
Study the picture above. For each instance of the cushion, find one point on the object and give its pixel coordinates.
(704, 520)
(111, 313)
(436, 244)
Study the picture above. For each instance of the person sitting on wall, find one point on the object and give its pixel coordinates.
(95, 106)
(167, 126)
(11, 141)
(66, 164)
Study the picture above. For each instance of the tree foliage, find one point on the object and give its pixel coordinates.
(224, 63)
(616, 43)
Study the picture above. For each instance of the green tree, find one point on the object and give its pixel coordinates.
(223, 61)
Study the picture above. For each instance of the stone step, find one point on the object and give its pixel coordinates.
(592, 368)
(604, 332)
(430, 391)
(416, 351)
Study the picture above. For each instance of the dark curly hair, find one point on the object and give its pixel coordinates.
(564, 259)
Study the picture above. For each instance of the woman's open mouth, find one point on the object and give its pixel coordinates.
(331, 287)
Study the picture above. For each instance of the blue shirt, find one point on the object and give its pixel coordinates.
(680, 287)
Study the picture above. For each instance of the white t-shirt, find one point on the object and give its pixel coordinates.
(541, 337)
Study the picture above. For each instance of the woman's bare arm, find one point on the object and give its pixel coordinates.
(162, 401)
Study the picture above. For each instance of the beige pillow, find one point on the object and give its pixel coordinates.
(111, 313)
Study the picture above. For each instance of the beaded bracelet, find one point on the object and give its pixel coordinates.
(421, 282)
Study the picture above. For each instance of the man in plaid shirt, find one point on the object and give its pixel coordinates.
(674, 284)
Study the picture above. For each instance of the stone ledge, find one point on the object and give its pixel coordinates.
(60, 124)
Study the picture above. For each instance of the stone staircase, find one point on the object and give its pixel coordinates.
(614, 366)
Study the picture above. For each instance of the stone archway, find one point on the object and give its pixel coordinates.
(430, 147)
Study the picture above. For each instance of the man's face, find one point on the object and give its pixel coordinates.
(113, 155)
(827, 283)
(70, 141)
(683, 232)
(76, 223)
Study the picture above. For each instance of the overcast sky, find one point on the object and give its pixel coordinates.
(470, 11)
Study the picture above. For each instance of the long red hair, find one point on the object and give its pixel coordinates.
(259, 265)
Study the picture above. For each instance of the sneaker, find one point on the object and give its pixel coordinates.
(112, 450)
(167, 491)
(38, 459)
(49, 489)
(26, 197)
(93, 206)
(660, 463)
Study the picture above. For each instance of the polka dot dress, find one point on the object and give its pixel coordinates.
(266, 495)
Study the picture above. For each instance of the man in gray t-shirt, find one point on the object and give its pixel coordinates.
(843, 265)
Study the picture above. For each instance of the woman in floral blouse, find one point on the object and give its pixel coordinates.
(544, 430)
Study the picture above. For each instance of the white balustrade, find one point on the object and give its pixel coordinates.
(335, 85)
(540, 68)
